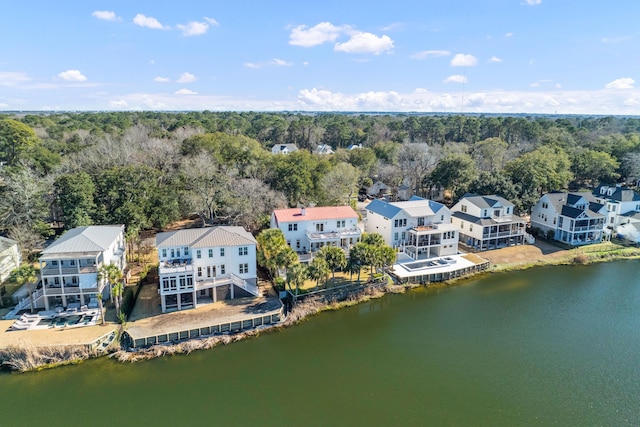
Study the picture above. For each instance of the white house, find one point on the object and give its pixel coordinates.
(283, 148)
(487, 222)
(323, 149)
(69, 266)
(572, 218)
(354, 147)
(9, 257)
(204, 265)
(309, 229)
(421, 228)
(620, 202)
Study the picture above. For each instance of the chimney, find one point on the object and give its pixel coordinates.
(303, 211)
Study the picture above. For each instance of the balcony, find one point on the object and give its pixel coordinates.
(334, 235)
(175, 267)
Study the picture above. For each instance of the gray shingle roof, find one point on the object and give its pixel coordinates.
(92, 238)
(489, 201)
(207, 237)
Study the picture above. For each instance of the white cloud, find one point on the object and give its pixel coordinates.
(185, 92)
(280, 62)
(463, 60)
(305, 63)
(318, 34)
(508, 35)
(533, 2)
(366, 43)
(194, 28)
(118, 103)
(430, 54)
(72, 76)
(186, 78)
(4, 105)
(159, 79)
(494, 59)
(106, 15)
(622, 83)
(274, 62)
(13, 78)
(456, 78)
(148, 22)
(211, 21)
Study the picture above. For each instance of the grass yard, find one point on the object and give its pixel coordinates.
(341, 278)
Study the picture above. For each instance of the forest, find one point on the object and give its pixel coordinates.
(147, 169)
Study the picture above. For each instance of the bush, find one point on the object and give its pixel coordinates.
(580, 259)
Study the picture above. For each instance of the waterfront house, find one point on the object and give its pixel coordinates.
(283, 148)
(69, 266)
(487, 222)
(419, 227)
(205, 265)
(622, 203)
(308, 229)
(9, 257)
(323, 149)
(571, 218)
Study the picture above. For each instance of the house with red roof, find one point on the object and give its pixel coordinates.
(307, 229)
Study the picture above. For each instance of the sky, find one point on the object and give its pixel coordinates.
(450, 56)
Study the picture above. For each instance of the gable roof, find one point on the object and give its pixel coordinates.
(6, 243)
(414, 207)
(278, 148)
(206, 237)
(316, 213)
(558, 199)
(92, 238)
(488, 201)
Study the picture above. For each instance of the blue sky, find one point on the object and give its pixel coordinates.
(494, 56)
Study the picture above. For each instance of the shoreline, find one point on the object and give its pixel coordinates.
(27, 359)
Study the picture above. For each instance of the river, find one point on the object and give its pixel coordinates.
(545, 346)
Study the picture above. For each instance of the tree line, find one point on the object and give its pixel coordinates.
(147, 169)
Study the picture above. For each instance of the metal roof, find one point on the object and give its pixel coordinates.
(316, 213)
(485, 202)
(89, 239)
(207, 237)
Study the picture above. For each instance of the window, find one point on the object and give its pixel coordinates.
(320, 227)
(183, 283)
(72, 262)
(221, 251)
(463, 208)
(441, 217)
(420, 221)
(178, 253)
(496, 212)
(186, 251)
(461, 225)
(164, 253)
(340, 224)
(545, 205)
(243, 268)
(293, 227)
(210, 253)
(395, 236)
(404, 235)
(173, 253)
(470, 227)
(173, 283)
(199, 271)
(222, 269)
(297, 244)
(198, 254)
(243, 250)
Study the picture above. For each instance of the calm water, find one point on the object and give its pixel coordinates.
(549, 346)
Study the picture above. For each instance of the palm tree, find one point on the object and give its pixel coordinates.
(296, 275)
(113, 276)
(358, 256)
(318, 270)
(285, 258)
(335, 258)
(26, 273)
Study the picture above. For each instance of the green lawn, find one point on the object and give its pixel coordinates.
(341, 278)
